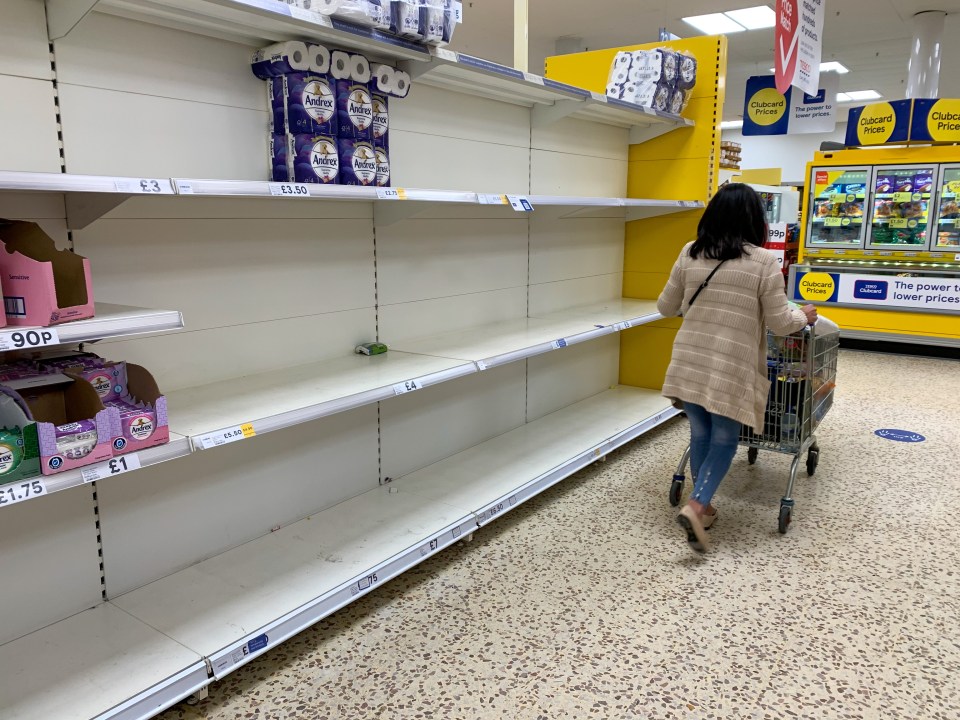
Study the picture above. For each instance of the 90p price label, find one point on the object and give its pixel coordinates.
(28, 339)
(289, 190)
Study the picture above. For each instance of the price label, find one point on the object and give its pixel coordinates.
(116, 466)
(494, 511)
(481, 365)
(621, 326)
(957, 257)
(289, 190)
(531, 78)
(225, 437)
(902, 197)
(599, 97)
(408, 386)
(28, 339)
(689, 203)
(557, 344)
(310, 16)
(520, 203)
(146, 186)
(838, 198)
(909, 254)
(898, 222)
(18, 492)
(492, 199)
(832, 222)
(839, 252)
(392, 193)
(458, 11)
(444, 54)
(365, 584)
(430, 547)
(184, 188)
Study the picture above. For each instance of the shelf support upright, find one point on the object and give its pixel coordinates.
(521, 37)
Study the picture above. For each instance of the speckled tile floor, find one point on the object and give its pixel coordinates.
(586, 601)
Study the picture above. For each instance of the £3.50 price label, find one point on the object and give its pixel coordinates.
(116, 466)
(408, 386)
(225, 437)
(289, 190)
(18, 492)
(28, 339)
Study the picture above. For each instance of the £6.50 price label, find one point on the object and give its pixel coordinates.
(28, 339)
(116, 466)
(225, 437)
(408, 386)
(18, 492)
(289, 190)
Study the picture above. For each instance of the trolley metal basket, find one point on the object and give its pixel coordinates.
(803, 373)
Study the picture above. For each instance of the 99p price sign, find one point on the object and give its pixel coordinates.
(28, 339)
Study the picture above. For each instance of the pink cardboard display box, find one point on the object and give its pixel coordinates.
(42, 286)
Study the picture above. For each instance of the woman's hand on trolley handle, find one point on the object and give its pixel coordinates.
(811, 312)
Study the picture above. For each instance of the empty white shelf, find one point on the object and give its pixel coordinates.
(100, 663)
(232, 607)
(282, 398)
(513, 340)
(111, 321)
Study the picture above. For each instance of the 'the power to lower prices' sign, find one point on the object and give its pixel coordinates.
(923, 294)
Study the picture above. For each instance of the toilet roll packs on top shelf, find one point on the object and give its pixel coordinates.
(329, 114)
(431, 22)
(660, 79)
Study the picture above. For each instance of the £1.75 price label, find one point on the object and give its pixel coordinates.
(225, 437)
(18, 492)
(28, 339)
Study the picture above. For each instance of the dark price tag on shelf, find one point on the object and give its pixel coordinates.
(28, 339)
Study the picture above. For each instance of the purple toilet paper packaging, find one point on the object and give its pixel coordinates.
(358, 162)
(278, 149)
(311, 104)
(354, 110)
(382, 155)
(278, 106)
(380, 127)
(315, 159)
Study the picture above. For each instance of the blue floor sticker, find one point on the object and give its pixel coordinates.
(899, 435)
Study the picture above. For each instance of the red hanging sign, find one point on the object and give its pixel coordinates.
(785, 43)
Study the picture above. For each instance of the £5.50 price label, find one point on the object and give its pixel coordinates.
(116, 466)
(28, 339)
(18, 492)
(225, 437)
(408, 386)
(289, 190)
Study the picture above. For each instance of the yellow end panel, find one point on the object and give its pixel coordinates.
(898, 323)
(670, 180)
(653, 244)
(644, 356)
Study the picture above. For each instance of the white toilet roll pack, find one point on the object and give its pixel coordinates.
(660, 79)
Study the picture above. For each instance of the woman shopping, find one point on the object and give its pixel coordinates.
(728, 290)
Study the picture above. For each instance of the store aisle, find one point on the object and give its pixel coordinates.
(586, 602)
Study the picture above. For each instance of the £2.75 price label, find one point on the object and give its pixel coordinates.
(18, 492)
(225, 437)
(28, 339)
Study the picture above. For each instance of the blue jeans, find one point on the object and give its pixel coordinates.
(713, 443)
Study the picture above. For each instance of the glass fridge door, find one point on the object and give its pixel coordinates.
(901, 206)
(946, 233)
(837, 207)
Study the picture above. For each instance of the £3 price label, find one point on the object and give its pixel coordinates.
(145, 186)
(408, 386)
(28, 339)
(116, 466)
(227, 436)
(289, 190)
(18, 492)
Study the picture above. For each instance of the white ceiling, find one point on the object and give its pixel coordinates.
(871, 37)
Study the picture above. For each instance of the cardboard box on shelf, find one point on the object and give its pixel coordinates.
(19, 445)
(42, 285)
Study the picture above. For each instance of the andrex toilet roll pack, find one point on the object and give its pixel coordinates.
(659, 79)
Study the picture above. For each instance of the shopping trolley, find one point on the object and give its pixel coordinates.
(803, 373)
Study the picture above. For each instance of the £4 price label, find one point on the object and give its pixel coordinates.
(225, 437)
(18, 492)
(289, 190)
(408, 386)
(28, 339)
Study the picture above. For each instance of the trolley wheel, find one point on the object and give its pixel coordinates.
(752, 455)
(813, 458)
(786, 515)
(676, 489)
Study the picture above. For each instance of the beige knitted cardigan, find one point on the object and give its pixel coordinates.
(719, 356)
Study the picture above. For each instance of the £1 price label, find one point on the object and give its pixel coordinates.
(116, 466)
(28, 339)
(289, 190)
(18, 492)
(408, 386)
(224, 437)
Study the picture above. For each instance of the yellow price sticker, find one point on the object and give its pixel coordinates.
(898, 222)
(838, 198)
(833, 222)
(902, 197)
(247, 430)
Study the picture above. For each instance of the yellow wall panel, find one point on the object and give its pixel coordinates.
(652, 244)
(898, 323)
(644, 356)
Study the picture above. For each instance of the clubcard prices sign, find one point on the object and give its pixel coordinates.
(768, 112)
(884, 291)
(798, 44)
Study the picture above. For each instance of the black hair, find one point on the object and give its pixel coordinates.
(733, 220)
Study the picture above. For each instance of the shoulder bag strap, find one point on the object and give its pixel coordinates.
(704, 284)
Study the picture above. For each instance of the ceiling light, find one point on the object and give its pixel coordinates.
(858, 95)
(714, 24)
(731, 124)
(833, 66)
(753, 18)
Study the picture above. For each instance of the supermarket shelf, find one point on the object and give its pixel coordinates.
(254, 22)
(506, 342)
(111, 321)
(235, 606)
(633, 209)
(101, 663)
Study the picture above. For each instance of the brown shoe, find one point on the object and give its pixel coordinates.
(696, 535)
(708, 519)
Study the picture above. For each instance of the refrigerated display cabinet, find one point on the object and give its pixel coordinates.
(837, 207)
(900, 207)
(946, 224)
